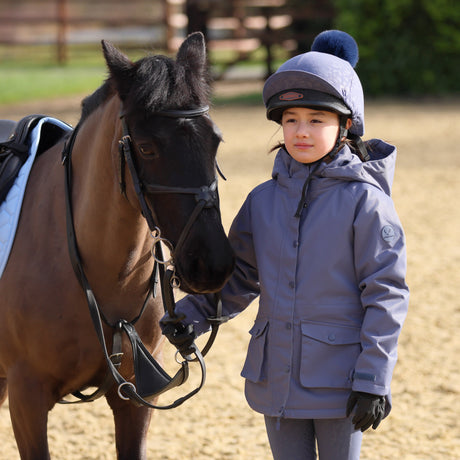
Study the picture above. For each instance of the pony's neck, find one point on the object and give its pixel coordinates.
(112, 236)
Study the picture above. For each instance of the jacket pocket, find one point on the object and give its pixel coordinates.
(253, 366)
(329, 354)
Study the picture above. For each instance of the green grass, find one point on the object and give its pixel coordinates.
(30, 73)
(18, 85)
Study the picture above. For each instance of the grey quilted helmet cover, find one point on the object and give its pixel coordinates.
(321, 72)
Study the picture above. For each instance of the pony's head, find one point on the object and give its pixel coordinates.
(174, 146)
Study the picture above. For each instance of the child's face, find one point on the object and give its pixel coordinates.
(309, 134)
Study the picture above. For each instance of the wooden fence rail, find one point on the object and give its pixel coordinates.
(56, 21)
(239, 26)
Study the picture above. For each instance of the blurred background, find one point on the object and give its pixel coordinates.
(50, 58)
(52, 47)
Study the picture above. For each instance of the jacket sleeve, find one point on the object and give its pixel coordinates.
(380, 265)
(242, 287)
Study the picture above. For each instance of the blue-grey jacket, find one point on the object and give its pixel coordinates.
(331, 282)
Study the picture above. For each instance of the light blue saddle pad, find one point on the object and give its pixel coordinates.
(10, 209)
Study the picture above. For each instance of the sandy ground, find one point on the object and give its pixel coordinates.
(217, 424)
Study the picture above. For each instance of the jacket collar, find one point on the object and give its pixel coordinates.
(346, 166)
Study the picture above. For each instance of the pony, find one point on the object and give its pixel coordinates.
(48, 345)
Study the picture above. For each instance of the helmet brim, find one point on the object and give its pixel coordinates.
(312, 99)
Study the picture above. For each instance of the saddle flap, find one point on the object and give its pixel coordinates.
(9, 169)
(18, 138)
(14, 147)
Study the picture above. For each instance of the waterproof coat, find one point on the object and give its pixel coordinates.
(331, 282)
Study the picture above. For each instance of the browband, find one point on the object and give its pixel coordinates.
(183, 113)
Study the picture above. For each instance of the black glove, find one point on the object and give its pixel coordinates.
(181, 336)
(370, 409)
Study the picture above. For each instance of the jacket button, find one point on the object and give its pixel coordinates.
(295, 244)
(291, 284)
(331, 337)
(288, 325)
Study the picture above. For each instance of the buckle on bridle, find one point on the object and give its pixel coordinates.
(208, 195)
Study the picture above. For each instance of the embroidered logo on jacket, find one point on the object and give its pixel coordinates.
(388, 233)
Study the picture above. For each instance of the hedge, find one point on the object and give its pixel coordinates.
(407, 47)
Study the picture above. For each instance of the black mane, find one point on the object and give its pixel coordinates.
(153, 83)
(161, 83)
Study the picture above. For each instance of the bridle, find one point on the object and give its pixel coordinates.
(206, 197)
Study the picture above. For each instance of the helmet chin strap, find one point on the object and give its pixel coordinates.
(360, 147)
(358, 144)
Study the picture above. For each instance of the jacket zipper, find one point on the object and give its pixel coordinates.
(303, 199)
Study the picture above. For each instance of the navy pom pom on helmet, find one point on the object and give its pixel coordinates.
(337, 43)
(323, 78)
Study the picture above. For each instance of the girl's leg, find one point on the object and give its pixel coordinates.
(337, 439)
(291, 439)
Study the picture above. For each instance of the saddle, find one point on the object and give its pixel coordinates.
(15, 145)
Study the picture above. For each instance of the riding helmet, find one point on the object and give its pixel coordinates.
(322, 78)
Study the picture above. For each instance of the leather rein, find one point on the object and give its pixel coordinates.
(206, 197)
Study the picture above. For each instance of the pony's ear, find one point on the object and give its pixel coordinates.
(120, 67)
(192, 54)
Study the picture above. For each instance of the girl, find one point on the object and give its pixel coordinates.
(322, 246)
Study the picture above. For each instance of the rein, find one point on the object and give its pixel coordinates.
(145, 366)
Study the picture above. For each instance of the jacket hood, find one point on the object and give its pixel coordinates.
(346, 166)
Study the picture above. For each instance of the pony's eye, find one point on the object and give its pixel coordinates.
(147, 150)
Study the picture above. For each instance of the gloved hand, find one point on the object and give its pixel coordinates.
(370, 409)
(181, 336)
